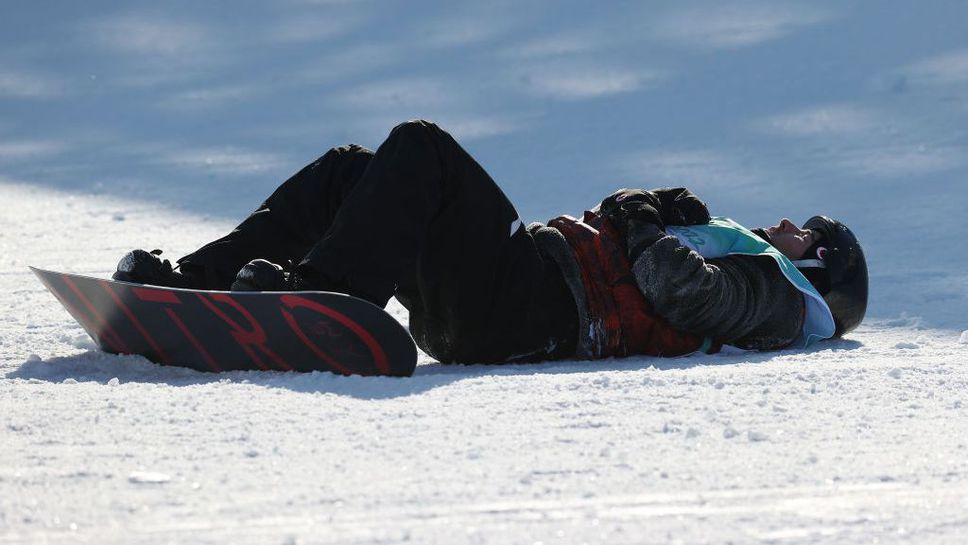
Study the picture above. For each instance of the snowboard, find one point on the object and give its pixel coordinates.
(226, 331)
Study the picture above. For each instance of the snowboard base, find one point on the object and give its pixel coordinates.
(222, 331)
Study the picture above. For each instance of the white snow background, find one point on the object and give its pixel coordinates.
(126, 125)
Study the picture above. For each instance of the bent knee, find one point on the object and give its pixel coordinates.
(417, 127)
(415, 124)
(349, 150)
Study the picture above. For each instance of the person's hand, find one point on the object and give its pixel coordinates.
(661, 207)
(626, 205)
(679, 206)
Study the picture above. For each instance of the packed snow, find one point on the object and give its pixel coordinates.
(126, 127)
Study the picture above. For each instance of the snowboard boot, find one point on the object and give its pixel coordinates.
(141, 267)
(262, 275)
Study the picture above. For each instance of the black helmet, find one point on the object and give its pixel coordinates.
(835, 265)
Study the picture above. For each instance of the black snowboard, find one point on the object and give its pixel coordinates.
(223, 331)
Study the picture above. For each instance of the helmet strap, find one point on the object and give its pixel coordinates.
(809, 263)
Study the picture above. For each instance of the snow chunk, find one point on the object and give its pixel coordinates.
(964, 337)
(114, 381)
(82, 341)
(895, 373)
(906, 345)
(904, 320)
(672, 426)
(729, 433)
(756, 437)
(148, 477)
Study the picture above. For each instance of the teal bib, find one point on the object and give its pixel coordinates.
(723, 236)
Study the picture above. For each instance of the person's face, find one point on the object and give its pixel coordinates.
(790, 239)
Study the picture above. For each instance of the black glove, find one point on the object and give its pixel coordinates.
(626, 205)
(679, 206)
(668, 206)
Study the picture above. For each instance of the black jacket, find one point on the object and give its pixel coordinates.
(741, 300)
(744, 301)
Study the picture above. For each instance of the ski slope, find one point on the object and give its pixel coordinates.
(125, 127)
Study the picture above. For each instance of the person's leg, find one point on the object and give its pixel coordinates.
(288, 223)
(428, 224)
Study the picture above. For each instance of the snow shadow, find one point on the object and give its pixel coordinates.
(112, 370)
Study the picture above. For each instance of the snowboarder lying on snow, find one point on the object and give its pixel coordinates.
(645, 272)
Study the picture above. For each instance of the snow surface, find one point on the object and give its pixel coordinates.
(125, 126)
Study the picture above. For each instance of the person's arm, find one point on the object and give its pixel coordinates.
(740, 300)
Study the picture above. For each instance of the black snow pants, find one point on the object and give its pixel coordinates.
(421, 220)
